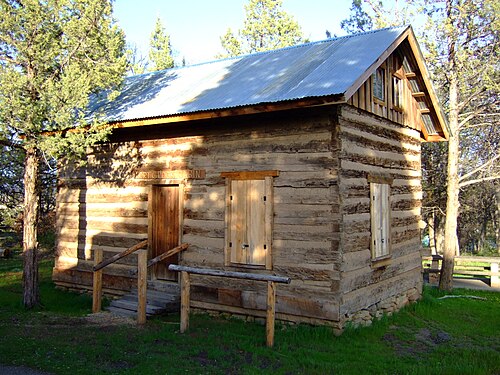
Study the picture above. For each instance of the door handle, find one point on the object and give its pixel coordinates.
(243, 245)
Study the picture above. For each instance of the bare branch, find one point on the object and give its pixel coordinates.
(478, 180)
(434, 208)
(479, 115)
(480, 168)
(478, 125)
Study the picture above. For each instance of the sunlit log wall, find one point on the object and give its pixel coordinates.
(371, 145)
(321, 227)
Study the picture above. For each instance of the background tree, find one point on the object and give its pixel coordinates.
(160, 50)
(465, 56)
(11, 182)
(137, 64)
(461, 40)
(266, 27)
(53, 55)
(367, 15)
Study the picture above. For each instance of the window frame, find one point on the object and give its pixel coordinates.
(267, 178)
(380, 220)
(397, 92)
(383, 81)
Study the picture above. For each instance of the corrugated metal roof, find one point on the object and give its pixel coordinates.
(316, 69)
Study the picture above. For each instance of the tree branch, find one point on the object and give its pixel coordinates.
(478, 180)
(4, 142)
(478, 169)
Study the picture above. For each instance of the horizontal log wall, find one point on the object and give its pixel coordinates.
(372, 145)
(305, 225)
(105, 205)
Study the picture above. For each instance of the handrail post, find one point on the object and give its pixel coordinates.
(185, 291)
(142, 269)
(97, 283)
(271, 308)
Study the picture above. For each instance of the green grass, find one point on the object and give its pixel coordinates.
(449, 336)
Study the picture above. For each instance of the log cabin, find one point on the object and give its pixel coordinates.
(302, 162)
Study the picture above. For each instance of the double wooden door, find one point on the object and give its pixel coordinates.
(165, 231)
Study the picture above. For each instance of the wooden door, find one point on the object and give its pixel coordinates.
(165, 228)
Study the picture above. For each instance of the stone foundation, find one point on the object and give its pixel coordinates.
(387, 306)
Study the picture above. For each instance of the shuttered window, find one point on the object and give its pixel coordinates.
(378, 84)
(249, 212)
(380, 212)
(397, 93)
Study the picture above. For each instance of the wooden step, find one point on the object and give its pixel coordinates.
(153, 297)
(161, 298)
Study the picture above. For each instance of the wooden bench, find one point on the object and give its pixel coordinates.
(463, 268)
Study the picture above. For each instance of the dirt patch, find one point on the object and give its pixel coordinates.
(101, 319)
(415, 344)
(203, 359)
(107, 319)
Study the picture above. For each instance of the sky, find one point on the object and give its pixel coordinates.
(195, 26)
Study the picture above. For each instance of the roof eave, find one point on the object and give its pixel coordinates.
(408, 33)
(231, 112)
(444, 134)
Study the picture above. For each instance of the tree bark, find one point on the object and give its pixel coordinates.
(31, 296)
(453, 189)
(497, 215)
(432, 233)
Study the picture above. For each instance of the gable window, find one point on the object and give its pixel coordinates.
(248, 219)
(397, 93)
(378, 79)
(380, 217)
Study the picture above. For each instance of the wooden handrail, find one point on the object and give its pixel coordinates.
(271, 293)
(123, 254)
(235, 275)
(168, 254)
(142, 269)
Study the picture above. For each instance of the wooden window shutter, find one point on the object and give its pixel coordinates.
(238, 224)
(380, 219)
(249, 222)
(256, 229)
(248, 227)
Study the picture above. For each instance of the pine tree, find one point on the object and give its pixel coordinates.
(160, 52)
(54, 54)
(266, 27)
(137, 64)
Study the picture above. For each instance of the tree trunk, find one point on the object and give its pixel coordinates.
(452, 191)
(31, 297)
(439, 233)
(432, 233)
(497, 215)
